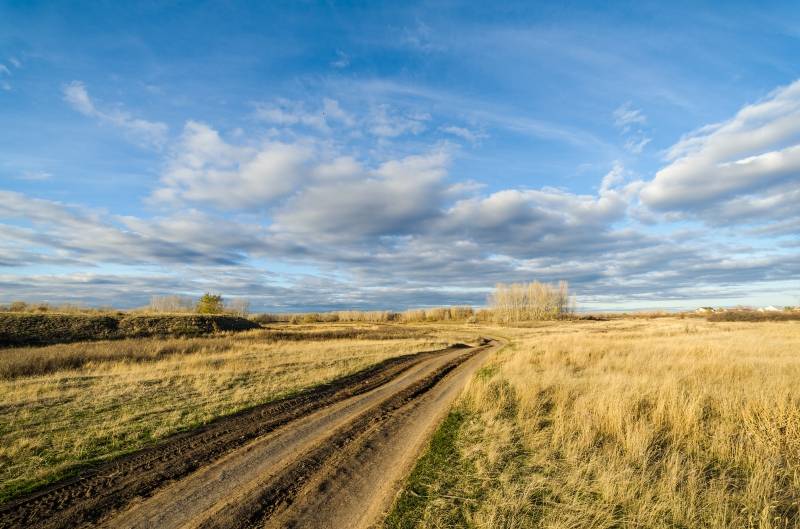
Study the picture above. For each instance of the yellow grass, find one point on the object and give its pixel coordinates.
(663, 423)
(127, 393)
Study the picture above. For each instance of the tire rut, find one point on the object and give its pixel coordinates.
(93, 494)
(255, 508)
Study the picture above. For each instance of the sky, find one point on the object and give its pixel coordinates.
(327, 155)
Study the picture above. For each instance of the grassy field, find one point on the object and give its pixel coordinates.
(626, 423)
(666, 423)
(68, 405)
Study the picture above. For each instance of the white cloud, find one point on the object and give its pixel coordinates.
(626, 115)
(287, 113)
(4, 69)
(332, 110)
(205, 168)
(636, 145)
(398, 197)
(79, 235)
(342, 60)
(15, 62)
(35, 176)
(464, 133)
(629, 121)
(613, 178)
(752, 158)
(388, 124)
(149, 133)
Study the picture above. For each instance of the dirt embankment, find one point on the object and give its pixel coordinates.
(328, 457)
(21, 329)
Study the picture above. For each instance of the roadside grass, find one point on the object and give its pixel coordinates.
(75, 405)
(433, 473)
(662, 423)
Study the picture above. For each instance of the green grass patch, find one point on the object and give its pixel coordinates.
(436, 470)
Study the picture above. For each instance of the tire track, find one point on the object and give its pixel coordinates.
(306, 461)
(91, 494)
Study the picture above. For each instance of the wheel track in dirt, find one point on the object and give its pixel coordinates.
(190, 480)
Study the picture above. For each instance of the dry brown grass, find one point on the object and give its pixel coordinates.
(90, 401)
(663, 423)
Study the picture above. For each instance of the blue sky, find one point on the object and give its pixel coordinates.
(320, 156)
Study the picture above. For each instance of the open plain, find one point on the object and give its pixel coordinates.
(623, 422)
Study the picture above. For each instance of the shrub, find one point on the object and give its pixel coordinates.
(210, 304)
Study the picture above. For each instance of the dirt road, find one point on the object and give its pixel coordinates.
(332, 457)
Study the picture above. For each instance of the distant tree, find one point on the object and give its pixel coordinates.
(171, 304)
(239, 307)
(18, 306)
(531, 301)
(210, 304)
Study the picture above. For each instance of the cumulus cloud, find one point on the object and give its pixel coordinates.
(388, 230)
(748, 165)
(396, 198)
(149, 133)
(205, 168)
(53, 232)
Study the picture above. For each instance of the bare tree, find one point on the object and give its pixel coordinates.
(239, 307)
(171, 304)
(530, 301)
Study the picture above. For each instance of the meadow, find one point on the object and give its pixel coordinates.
(635, 423)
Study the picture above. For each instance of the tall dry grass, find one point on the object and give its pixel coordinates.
(649, 424)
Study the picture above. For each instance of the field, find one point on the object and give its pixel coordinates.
(68, 405)
(627, 422)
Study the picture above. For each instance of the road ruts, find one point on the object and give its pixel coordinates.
(300, 462)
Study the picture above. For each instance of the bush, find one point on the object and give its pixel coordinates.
(210, 304)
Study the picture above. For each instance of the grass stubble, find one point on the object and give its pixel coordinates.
(665, 423)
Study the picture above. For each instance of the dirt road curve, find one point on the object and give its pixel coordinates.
(329, 457)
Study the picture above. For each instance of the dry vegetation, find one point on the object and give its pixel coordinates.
(68, 405)
(25, 328)
(663, 423)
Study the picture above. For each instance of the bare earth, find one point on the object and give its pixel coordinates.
(329, 457)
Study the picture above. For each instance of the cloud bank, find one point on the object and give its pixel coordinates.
(298, 216)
